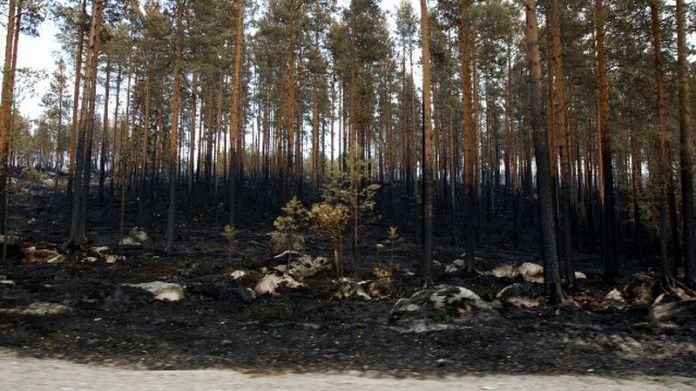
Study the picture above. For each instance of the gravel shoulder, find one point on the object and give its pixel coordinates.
(48, 374)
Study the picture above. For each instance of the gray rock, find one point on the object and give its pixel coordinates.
(531, 272)
(270, 283)
(162, 291)
(520, 295)
(136, 237)
(348, 288)
(291, 275)
(672, 315)
(440, 308)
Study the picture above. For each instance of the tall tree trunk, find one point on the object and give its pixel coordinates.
(541, 146)
(174, 131)
(105, 135)
(115, 135)
(469, 142)
(611, 264)
(86, 131)
(315, 123)
(512, 152)
(566, 193)
(355, 163)
(234, 111)
(427, 151)
(76, 95)
(192, 137)
(291, 97)
(685, 150)
(6, 104)
(663, 166)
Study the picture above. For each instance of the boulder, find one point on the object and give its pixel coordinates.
(519, 295)
(673, 314)
(270, 283)
(291, 275)
(505, 271)
(162, 291)
(348, 288)
(580, 276)
(136, 237)
(531, 272)
(238, 274)
(640, 289)
(139, 235)
(280, 242)
(306, 266)
(128, 241)
(440, 308)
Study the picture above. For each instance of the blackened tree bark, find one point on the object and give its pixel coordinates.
(427, 151)
(685, 151)
(541, 147)
(174, 131)
(469, 141)
(611, 264)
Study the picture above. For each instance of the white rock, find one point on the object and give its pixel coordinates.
(111, 259)
(519, 295)
(238, 274)
(128, 241)
(580, 276)
(439, 308)
(307, 266)
(442, 298)
(101, 250)
(616, 296)
(505, 271)
(270, 283)
(348, 288)
(531, 272)
(7, 282)
(90, 259)
(139, 235)
(162, 291)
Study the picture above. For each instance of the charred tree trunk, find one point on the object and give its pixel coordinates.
(541, 146)
(611, 264)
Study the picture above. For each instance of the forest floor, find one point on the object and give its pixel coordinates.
(218, 326)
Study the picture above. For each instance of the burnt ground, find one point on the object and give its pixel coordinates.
(216, 326)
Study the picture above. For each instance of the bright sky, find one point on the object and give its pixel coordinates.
(38, 53)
